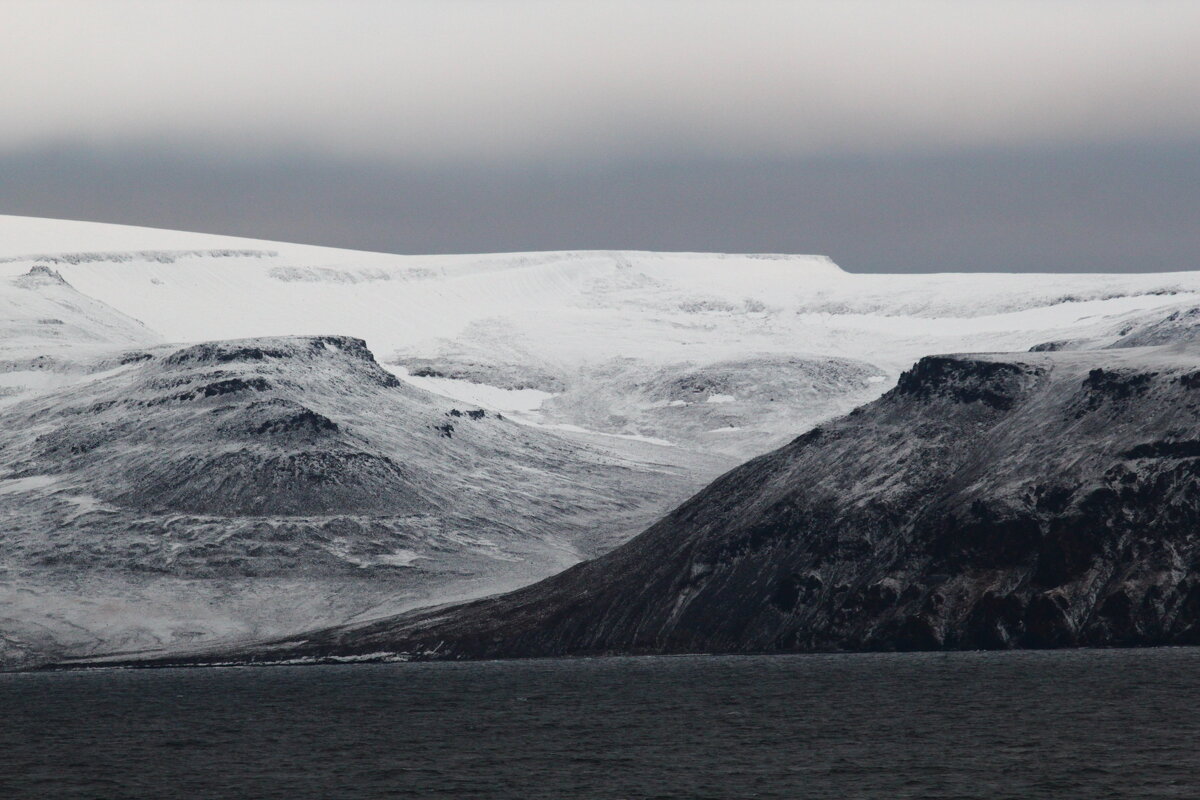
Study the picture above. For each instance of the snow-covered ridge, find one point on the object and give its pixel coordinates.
(22, 235)
(193, 287)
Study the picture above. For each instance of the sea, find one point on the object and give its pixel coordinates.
(1076, 723)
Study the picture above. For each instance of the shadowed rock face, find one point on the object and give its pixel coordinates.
(1036, 500)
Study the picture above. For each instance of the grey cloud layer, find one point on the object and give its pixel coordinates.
(454, 79)
(1080, 209)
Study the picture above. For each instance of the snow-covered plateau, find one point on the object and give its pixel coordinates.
(206, 439)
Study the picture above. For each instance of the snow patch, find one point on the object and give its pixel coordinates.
(633, 437)
(399, 558)
(31, 483)
(85, 504)
(478, 394)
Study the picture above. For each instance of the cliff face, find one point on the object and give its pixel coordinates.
(1034, 500)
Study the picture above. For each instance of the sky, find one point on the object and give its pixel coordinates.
(907, 135)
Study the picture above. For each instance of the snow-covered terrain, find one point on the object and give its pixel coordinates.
(563, 323)
(622, 381)
(51, 334)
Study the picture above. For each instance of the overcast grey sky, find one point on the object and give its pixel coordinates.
(899, 135)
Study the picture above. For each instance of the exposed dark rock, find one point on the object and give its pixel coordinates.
(233, 385)
(475, 414)
(224, 352)
(992, 383)
(918, 632)
(427, 372)
(1047, 623)
(1117, 385)
(40, 275)
(304, 420)
(787, 593)
(995, 622)
(1165, 449)
(1066, 552)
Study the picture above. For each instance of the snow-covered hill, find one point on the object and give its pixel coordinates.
(50, 334)
(236, 489)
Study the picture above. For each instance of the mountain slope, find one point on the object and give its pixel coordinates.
(51, 334)
(988, 501)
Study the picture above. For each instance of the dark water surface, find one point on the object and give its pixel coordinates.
(1088, 724)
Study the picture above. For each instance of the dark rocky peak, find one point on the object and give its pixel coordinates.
(280, 417)
(256, 353)
(261, 349)
(966, 379)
